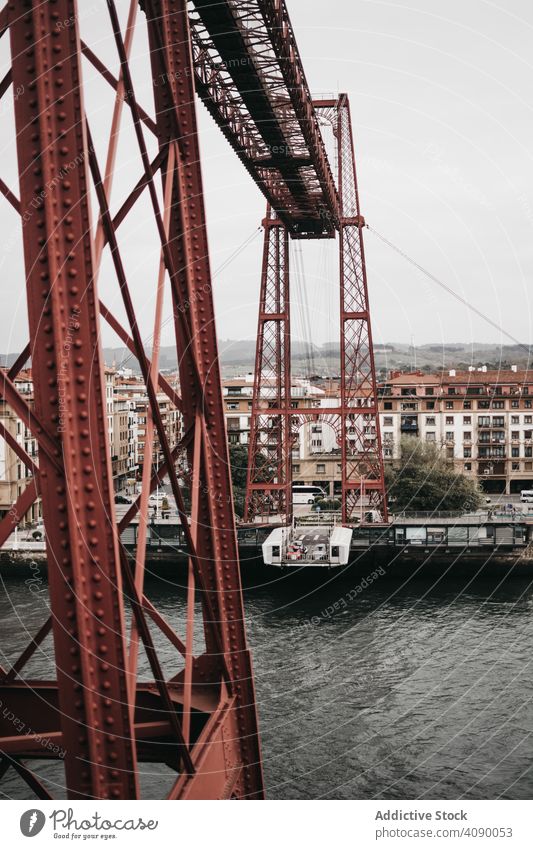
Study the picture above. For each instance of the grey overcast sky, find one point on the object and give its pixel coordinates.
(442, 104)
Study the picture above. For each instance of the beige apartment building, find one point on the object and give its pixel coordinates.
(126, 409)
(481, 419)
(14, 475)
(172, 423)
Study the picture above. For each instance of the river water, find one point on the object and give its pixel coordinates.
(404, 688)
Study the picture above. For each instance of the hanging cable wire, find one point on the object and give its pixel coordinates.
(306, 321)
(297, 301)
(249, 239)
(448, 289)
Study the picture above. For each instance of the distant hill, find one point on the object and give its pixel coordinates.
(237, 356)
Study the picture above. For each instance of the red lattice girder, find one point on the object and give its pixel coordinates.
(268, 490)
(201, 721)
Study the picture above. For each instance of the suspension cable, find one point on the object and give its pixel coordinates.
(218, 270)
(448, 289)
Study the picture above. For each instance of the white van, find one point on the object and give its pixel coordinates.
(526, 496)
(306, 494)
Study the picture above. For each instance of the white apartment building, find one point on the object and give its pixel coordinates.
(481, 419)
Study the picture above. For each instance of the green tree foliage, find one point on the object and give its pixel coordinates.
(424, 480)
(238, 458)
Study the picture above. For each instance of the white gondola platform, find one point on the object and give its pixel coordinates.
(308, 545)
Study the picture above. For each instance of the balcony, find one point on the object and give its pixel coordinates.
(491, 469)
(409, 424)
(491, 453)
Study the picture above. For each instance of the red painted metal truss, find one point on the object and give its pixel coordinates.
(111, 706)
(250, 77)
(274, 423)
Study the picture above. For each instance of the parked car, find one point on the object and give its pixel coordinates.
(122, 499)
(294, 552)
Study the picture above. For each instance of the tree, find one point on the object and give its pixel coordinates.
(424, 480)
(238, 458)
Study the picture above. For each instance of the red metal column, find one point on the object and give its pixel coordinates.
(268, 491)
(82, 546)
(233, 766)
(363, 480)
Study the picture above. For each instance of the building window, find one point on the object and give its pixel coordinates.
(387, 452)
(515, 434)
(528, 451)
(467, 436)
(467, 420)
(387, 405)
(515, 451)
(321, 468)
(449, 436)
(430, 437)
(430, 390)
(499, 405)
(430, 421)
(515, 467)
(528, 419)
(467, 405)
(296, 469)
(430, 405)
(515, 403)
(468, 467)
(451, 390)
(515, 420)
(467, 452)
(387, 421)
(449, 405)
(449, 420)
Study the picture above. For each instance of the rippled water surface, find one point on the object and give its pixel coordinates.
(401, 689)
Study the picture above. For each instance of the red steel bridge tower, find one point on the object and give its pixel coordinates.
(109, 704)
(274, 424)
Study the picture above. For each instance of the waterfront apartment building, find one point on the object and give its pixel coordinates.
(481, 419)
(14, 474)
(126, 409)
